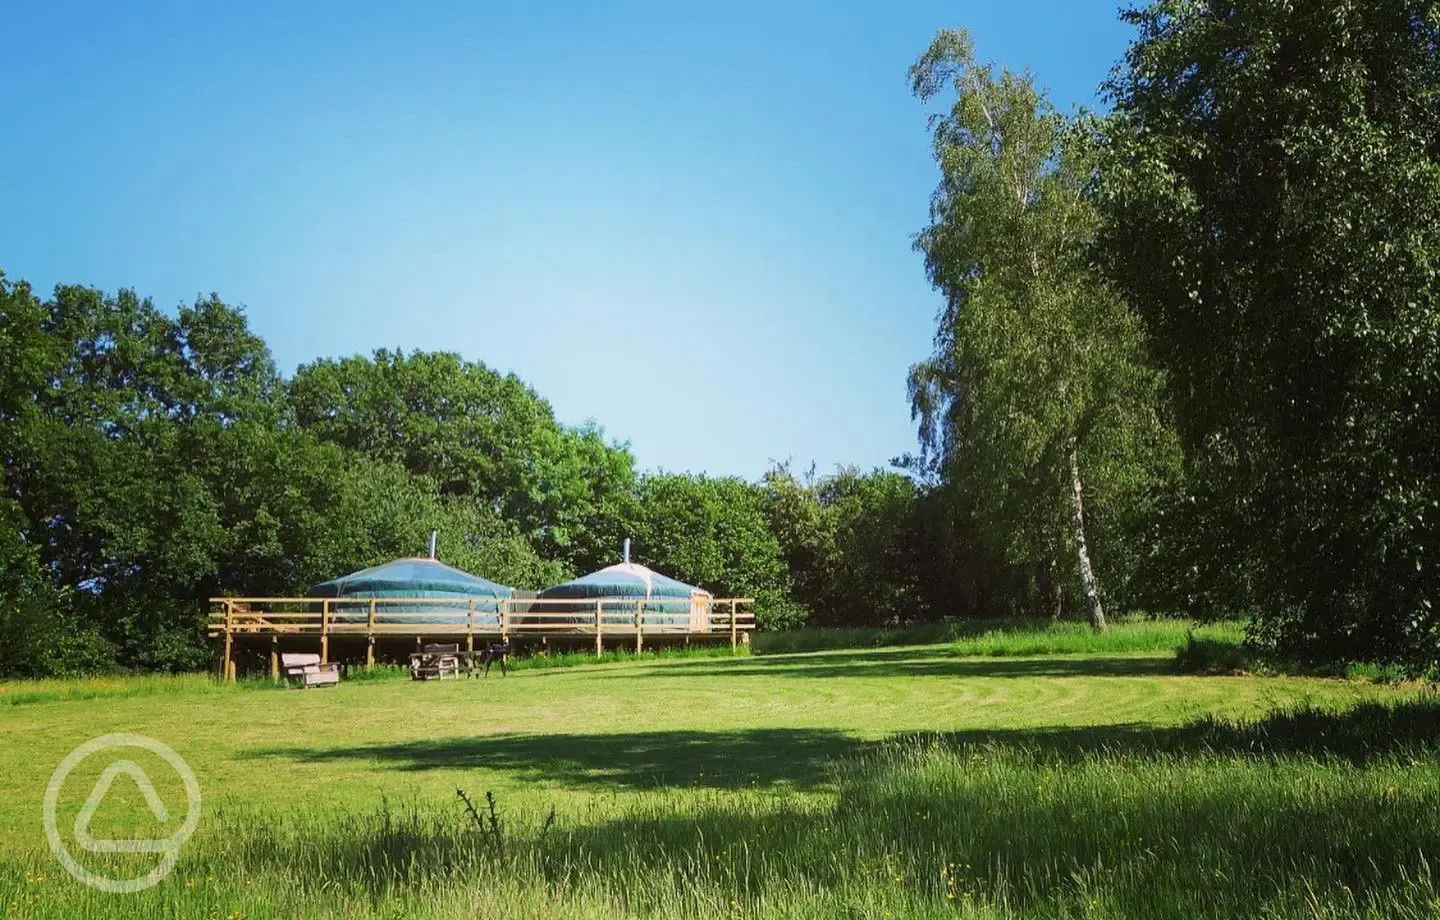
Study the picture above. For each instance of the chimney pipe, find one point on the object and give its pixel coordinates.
(627, 549)
(434, 534)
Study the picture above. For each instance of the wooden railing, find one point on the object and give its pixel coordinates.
(631, 619)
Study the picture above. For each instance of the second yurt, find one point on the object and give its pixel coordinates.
(627, 587)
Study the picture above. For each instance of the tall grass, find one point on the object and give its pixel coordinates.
(1305, 813)
(49, 690)
(1009, 637)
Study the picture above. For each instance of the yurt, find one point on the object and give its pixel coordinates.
(417, 578)
(667, 603)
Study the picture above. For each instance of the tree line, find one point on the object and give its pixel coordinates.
(1187, 361)
(1193, 344)
(151, 461)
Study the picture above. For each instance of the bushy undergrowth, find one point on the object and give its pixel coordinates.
(1307, 812)
(1229, 652)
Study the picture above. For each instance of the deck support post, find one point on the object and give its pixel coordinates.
(639, 626)
(325, 632)
(504, 604)
(226, 672)
(370, 636)
(734, 643)
(470, 632)
(599, 642)
(275, 659)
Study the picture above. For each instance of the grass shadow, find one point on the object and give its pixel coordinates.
(910, 662)
(1406, 731)
(805, 759)
(794, 758)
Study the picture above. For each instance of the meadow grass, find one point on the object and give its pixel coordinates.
(1008, 637)
(25, 692)
(900, 782)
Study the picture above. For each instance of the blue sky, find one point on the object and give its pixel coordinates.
(690, 223)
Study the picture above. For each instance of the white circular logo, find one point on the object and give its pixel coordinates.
(168, 847)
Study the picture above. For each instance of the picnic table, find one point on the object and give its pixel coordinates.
(437, 660)
(442, 660)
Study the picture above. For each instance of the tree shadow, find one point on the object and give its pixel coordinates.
(1407, 730)
(794, 758)
(805, 758)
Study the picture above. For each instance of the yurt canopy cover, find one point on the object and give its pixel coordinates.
(417, 578)
(625, 579)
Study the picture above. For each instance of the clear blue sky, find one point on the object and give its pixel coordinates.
(689, 222)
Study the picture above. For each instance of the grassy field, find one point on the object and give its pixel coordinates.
(991, 776)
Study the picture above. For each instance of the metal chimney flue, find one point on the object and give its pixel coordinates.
(434, 535)
(627, 549)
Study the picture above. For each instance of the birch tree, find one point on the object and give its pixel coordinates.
(1037, 385)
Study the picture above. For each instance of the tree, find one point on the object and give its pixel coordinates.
(479, 436)
(713, 532)
(1271, 188)
(853, 545)
(1038, 380)
(112, 430)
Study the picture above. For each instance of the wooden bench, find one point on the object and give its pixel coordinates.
(307, 669)
(435, 660)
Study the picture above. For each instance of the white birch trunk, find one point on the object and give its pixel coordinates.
(1088, 583)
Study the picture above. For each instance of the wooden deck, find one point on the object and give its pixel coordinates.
(263, 623)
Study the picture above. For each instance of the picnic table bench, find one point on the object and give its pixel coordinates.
(308, 670)
(442, 660)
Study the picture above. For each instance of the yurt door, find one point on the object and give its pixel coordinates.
(699, 611)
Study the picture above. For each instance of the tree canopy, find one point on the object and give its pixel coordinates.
(1271, 202)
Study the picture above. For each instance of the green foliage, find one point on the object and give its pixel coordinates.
(477, 435)
(854, 544)
(1039, 370)
(713, 531)
(1271, 193)
(153, 460)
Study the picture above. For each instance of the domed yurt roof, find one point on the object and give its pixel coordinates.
(415, 577)
(624, 579)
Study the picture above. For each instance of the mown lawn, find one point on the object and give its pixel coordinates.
(912, 781)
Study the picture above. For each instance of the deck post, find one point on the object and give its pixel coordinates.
(226, 673)
(325, 632)
(734, 643)
(504, 620)
(639, 626)
(275, 659)
(470, 632)
(370, 636)
(599, 642)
